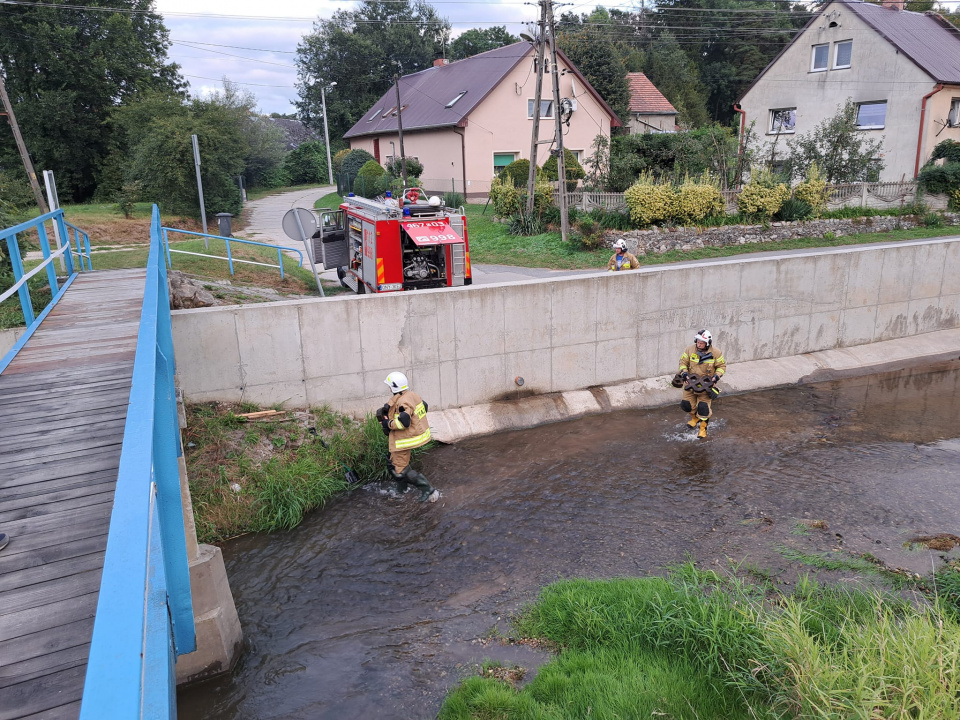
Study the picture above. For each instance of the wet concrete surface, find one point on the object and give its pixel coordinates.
(376, 606)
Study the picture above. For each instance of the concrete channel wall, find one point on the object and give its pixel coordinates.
(466, 347)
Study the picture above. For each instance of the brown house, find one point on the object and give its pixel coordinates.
(650, 111)
(464, 120)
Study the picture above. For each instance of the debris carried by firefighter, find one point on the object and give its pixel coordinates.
(622, 259)
(701, 367)
(404, 420)
(261, 414)
(394, 244)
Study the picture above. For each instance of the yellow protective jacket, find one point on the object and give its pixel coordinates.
(631, 263)
(418, 433)
(711, 362)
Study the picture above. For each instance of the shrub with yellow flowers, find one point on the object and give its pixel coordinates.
(762, 196)
(650, 201)
(813, 190)
(698, 200)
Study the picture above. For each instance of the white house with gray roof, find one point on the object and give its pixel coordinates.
(901, 68)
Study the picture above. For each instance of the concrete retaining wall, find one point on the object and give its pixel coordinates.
(8, 338)
(466, 347)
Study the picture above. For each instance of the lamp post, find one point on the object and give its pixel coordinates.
(326, 132)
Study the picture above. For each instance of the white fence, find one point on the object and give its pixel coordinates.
(881, 195)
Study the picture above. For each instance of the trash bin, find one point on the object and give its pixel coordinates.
(223, 220)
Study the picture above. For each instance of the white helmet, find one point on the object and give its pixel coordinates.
(620, 244)
(705, 336)
(434, 201)
(397, 382)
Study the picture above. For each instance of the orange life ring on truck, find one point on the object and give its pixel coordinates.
(413, 194)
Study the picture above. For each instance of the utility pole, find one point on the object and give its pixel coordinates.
(403, 156)
(558, 124)
(534, 141)
(22, 147)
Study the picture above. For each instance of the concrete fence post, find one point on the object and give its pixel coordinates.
(863, 195)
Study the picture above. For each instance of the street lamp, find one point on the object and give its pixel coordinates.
(326, 133)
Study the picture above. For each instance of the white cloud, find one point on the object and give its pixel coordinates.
(271, 76)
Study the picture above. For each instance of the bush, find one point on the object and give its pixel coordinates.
(949, 150)
(813, 190)
(505, 197)
(275, 178)
(353, 161)
(939, 178)
(128, 196)
(587, 233)
(526, 224)
(519, 172)
(612, 219)
(371, 180)
(573, 170)
(337, 160)
(15, 198)
(792, 209)
(696, 201)
(649, 201)
(414, 168)
(762, 197)
(931, 220)
(453, 200)
(307, 164)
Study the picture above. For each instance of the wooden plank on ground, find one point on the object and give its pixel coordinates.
(51, 591)
(62, 637)
(31, 511)
(51, 572)
(56, 614)
(43, 693)
(71, 545)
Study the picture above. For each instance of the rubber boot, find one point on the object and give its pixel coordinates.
(427, 493)
(703, 430)
(692, 422)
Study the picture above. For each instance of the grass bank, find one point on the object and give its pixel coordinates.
(491, 243)
(330, 201)
(699, 645)
(261, 475)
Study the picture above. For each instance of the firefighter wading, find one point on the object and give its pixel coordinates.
(404, 419)
(701, 360)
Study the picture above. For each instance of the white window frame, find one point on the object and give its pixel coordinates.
(953, 119)
(548, 116)
(771, 130)
(836, 54)
(813, 58)
(872, 127)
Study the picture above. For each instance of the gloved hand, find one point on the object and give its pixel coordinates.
(715, 392)
(385, 424)
(716, 378)
(684, 374)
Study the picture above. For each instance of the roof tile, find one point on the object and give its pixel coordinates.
(645, 98)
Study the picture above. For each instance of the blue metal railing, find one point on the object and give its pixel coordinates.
(144, 613)
(21, 278)
(229, 258)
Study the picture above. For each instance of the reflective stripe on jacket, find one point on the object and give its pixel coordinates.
(406, 438)
(630, 262)
(712, 364)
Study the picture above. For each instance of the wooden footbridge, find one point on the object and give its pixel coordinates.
(94, 587)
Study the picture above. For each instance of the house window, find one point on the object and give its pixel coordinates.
(872, 115)
(783, 121)
(953, 119)
(821, 55)
(872, 171)
(578, 154)
(373, 115)
(546, 109)
(454, 101)
(842, 55)
(501, 160)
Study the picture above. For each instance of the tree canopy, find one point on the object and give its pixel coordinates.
(361, 50)
(475, 41)
(66, 69)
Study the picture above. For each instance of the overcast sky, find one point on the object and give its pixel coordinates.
(268, 69)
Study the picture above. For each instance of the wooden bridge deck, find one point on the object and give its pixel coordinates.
(63, 404)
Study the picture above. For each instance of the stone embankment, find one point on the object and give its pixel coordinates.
(661, 240)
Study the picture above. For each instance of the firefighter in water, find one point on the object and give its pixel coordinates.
(404, 419)
(621, 259)
(701, 367)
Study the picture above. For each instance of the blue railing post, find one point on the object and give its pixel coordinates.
(13, 248)
(45, 247)
(229, 256)
(280, 262)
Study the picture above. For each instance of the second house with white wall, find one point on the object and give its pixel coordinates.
(902, 69)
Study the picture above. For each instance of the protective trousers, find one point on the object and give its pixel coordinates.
(698, 403)
(404, 475)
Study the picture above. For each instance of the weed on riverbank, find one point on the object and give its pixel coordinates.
(696, 644)
(265, 474)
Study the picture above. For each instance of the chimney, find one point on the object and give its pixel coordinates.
(440, 62)
(893, 5)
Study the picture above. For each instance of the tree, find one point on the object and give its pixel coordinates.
(307, 163)
(595, 57)
(361, 50)
(676, 76)
(839, 148)
(475, 41)
(66, 69)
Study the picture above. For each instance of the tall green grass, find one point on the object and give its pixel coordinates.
(821, 652)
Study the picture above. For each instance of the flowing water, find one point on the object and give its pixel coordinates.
(377, 605)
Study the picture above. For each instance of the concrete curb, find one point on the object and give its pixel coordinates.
(455, 424)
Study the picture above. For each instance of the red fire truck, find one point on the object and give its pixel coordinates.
(387, 246)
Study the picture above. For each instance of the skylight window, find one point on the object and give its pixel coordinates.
(454, 101)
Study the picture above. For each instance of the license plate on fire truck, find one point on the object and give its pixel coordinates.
(432, 233)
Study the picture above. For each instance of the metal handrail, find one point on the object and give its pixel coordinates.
(229, 258)
(21, 285)
(144, 612)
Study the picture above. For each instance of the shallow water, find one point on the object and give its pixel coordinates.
(377, 605)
